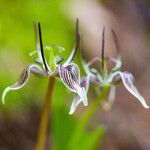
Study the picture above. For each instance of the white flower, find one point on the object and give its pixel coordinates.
(69, 72)
(103, 78)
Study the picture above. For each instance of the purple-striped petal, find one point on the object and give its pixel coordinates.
(70, 76)
(128, 79)
(77, 100)
(23, 79)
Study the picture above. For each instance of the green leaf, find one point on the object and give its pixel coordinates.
(86, 117)
(93, 139)
(88, 140)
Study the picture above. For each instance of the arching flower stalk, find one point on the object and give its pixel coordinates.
(102, 78)
(68, 71)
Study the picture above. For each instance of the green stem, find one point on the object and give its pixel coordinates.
(41, 140)
(93, 107)
(86, 117)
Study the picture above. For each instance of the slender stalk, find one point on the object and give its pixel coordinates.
(86, 117)
(41, 140)
(103, 48)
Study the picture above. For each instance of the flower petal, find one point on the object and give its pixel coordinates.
(128, 79)
(77, 100)
(85, 87)
(23, 79)
(85, 82)
(74, 104)
(70, 76)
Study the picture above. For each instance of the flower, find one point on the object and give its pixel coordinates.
(68, 71)
(102, 78)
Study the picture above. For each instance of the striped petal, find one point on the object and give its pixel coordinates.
(70, 76)
(77, 100)
(23, 79)
(127, 79)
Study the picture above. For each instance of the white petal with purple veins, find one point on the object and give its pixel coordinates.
(77, 100)
(23, 79)
(128, 79)
(70, 76)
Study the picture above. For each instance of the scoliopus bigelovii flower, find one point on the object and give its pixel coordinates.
(102, 78)
(69, 72)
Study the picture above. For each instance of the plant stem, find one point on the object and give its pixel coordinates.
(41, 140)
(93, 107)
(86, 117)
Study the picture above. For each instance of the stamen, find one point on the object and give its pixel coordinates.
(41, 47)
(77, 34)
(115, 38)
(103, 47)
(82, 51)
(61, 60)
(77, 39)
